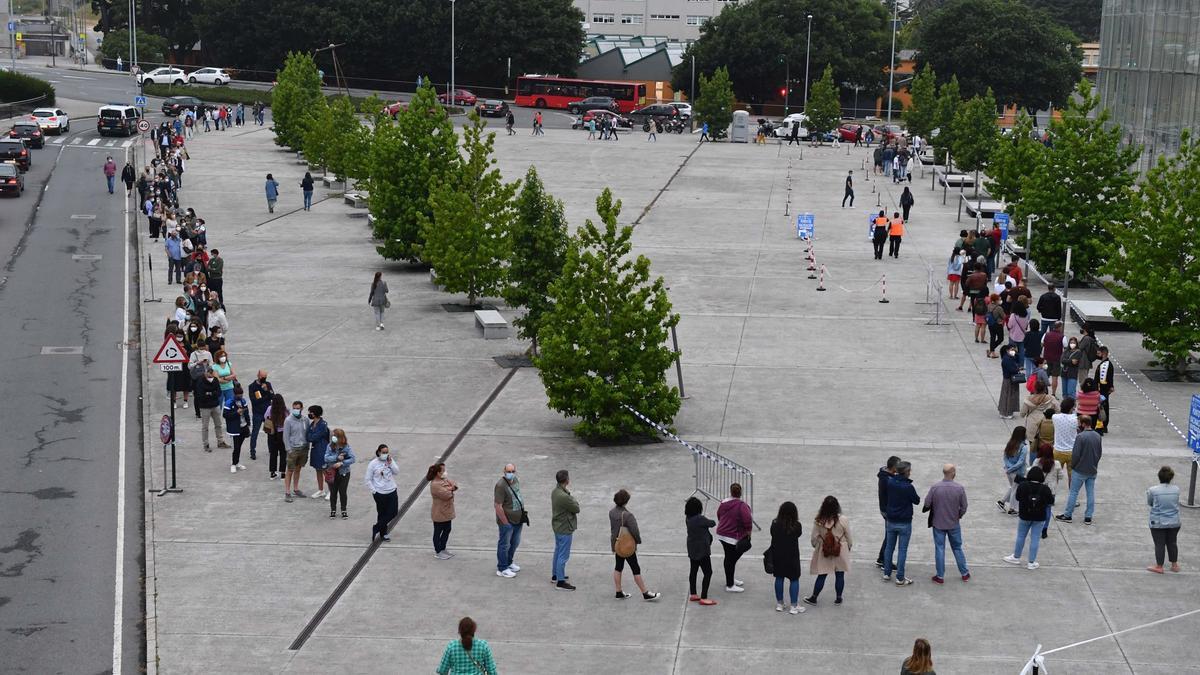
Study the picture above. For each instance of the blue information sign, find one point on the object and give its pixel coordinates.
(139, 101)
(1194, 425)
(1001, 220)
(12, 26)
(804, 225)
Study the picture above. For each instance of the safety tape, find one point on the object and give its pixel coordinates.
(848, 290)
(1148, 399)
(700, 451)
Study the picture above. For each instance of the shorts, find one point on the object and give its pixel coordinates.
(633, 564)
(297, 458)
(953, 278)
(1063, 456)
(1054, 368)
(980, 320)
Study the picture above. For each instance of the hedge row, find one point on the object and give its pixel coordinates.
(210, 94)
(18, 87)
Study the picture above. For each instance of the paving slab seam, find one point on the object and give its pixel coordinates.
(1107, 623)
(285, 214)
(649, 206)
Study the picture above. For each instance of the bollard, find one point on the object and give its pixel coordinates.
(821, 283)
(877, 195)
(812, 259)
(812, 270)
(884, 300)
(1192, 486)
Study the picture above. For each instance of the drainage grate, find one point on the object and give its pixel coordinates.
(62, 351)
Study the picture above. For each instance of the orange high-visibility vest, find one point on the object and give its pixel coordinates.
(897, 229)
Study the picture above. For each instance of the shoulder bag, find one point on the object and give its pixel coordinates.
(625, 545)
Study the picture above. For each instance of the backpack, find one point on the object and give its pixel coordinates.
(831, 546)
(990, 318)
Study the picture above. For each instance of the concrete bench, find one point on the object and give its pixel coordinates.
(371, 221)
(956, 180)
(495, 326)
(986, 208)
(332, 183)
(356, 199)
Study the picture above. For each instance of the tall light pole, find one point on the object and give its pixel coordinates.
(453, 91)
(892, 70)
(787, 82)
(807, 51)
(12, 38)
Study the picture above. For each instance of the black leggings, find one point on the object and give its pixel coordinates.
(441, 534)
(386, 506)
(995, 336)
(633, 564)
(278, 453)
(340, 482)
(732, 555)
(237, 447)
(704, 564)
(894, 245)
(1164, 538)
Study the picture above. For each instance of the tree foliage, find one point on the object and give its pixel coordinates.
(1027, 59)
(1081, 17)
(853, 36)
(1014, 158)
(297, 93)
(603, 339)
(948, 101)
(467, 239)
(406, 160)
(715, 105)
(921, 116)
(151, 48)
(537, 250)
(974, 130)
(1079, 192)
(170, 25)
(1157, 263)
(824, 110)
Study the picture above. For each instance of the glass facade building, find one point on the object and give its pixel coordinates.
(1150, 71)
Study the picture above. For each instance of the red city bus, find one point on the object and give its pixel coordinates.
(548, 91)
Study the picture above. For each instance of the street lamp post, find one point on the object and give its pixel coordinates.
(450, 97)
(892, 69)
(692, 96)
(787, 82)
(807, 51)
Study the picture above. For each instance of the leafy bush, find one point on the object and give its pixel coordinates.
(18, 87)
(210, 94)
(151, 48)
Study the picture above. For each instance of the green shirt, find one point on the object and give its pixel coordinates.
(458, 661)
(216, 268)
(563, 511)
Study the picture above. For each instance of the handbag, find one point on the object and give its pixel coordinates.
(1019, 378)
(330, 475)
(769, 561)
(625, 545)
(268, 425)
(742, 545)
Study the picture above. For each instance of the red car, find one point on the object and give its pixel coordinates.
(461, 97)
(394, 109)
(849, 132)
(889, 133)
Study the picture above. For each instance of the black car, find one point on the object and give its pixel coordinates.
(659, 110)
(593, 103)
(492, 107)
(177, 104)
(15, 150)
(11, 180)
(29, 131)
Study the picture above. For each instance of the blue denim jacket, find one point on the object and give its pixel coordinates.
(1163, 500)
(1016, 463)
(331, 458)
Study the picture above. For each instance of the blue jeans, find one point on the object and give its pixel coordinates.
(793, 590)
(506, 546)
(562, 551)
(1032, 528)
(1069, 386)
(111, 180)
(1078, 481)
(939, 551)
(308, 199)
(897, 532)
(839, 584)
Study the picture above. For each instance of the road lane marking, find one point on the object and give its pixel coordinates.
(94, 141)
(126, 144)
(62, 351)
(119, 587)
(83, 216)
(86, 256)
(77, 140)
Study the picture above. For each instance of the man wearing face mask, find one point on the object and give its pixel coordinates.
(510, 518)
(216, 274)
(208, 404)
(1085, 464)
(295, 439)
(261, 393)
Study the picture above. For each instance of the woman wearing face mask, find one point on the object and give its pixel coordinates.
(199, 361)
(1071, 359)
(181, 313)
(273, 421)
(216, 318)
(338, 458)
(441, 492)
(225, 376)
(237, 425)
(381, 481)
(216, 340)
(178, 381)
(318, 439)
(1010, 387)
(195, 339)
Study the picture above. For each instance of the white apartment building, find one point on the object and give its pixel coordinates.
(674, 19)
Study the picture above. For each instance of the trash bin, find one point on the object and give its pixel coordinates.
(740, 132)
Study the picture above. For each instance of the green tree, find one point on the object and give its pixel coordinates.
(467, 239)
(537, 250)
(1080, 192)
(348, 133)
(921, 116)
(824, 111)
(317, 133)
(948, 101)
(603, 339)
(1015, 157)
(1157, 262)
(407, 159)
(297, 93)
(1026, 58)
(974, 131)
(151, 48)
(1081, 17)
(715, 105)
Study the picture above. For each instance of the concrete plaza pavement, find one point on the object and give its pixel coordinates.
(810, 390)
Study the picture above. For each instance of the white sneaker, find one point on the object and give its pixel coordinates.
(734, 589)
(514, 568)
(507, 574)
(325, 494)
(233, 469)
(379, 327)
(318, 495)
(1012, 559)
(1032, 566)
(796, 609)
(738, 582)
(241, 467)
(778, 607)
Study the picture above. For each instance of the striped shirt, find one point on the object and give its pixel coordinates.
(459, 661)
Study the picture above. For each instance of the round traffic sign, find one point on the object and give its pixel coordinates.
(143, 125)
(165, 430)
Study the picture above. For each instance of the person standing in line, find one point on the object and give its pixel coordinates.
(441, 510)
(879, 234)
(1066, 428)
(1018, 325)
(995, 323)
(306, 186)
(1085, 464)
(921, 661)
(895, 234)
(1016, 457)
(784, 554)
(209, 405)
(699, 549)
(1052, 352)
(225, 375)
(1072, 360)
(1031, 347)
(216, 275)
(564, 519)
(1034, 496)
(901, 497)
(110, 173)
(946, 503)
(885, 474)
(954, 272)
(378, 299)
(1090, 348)
(509, 121)
(1049, 306)
(380, 479)
(1033, 411)
(272, 191)
(1106, 383)
(338, 457)
(849, 193)
(831, 542)
(1163, 500)
(619, 516)
(261, 394)
(1087, 401)
(510, 518)
(273, 421)
(467, 655)
(1010, 385)
(318, 444)
(237, 424)
(174, 249)
(295, 439)
(735, 522)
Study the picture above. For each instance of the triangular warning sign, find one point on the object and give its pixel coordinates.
(171, 351)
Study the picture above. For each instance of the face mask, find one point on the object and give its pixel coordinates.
(511, 475)
(203, 288)
(195, 328)
(383, 456)
(224, 359)
(312, 416)
(1073, 345)
(295, 412)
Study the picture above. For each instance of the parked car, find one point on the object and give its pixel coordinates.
(16, 150)
(175, 105)
(784, 128)
(849, 132)
(491, 107)
(685, 109)
(461, 97)
(209, 76)
(118, 119)
(11, 180)
(52, 119)
(581, 121)
(164, 75)
(889, 133)
(394, 109)
(29, 131)
(663, 110)
(593, 103)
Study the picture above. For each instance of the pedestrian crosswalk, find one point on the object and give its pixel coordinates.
(94, 142)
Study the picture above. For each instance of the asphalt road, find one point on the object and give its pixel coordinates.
(70, 393)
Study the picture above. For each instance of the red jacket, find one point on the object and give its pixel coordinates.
(734, 519)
